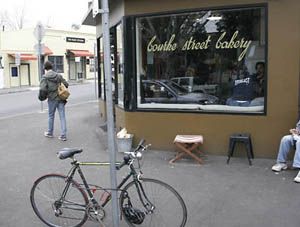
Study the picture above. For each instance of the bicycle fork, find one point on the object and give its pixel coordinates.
(143, 197)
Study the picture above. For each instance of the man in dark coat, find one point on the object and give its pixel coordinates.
(48, 89)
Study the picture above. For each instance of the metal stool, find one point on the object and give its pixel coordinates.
(243, 138)
(188, 144)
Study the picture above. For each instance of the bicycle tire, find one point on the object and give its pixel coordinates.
(46, 190)
(170, 209)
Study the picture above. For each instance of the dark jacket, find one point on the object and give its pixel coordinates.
(49, 84)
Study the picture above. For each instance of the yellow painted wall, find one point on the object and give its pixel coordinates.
(283, 61)
(102, 110)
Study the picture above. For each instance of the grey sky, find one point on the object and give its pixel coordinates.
(56, 13)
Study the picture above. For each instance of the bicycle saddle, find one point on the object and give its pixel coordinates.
(68, 152)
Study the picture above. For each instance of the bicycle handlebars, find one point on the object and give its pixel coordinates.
(136, 154)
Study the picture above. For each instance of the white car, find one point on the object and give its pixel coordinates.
(192, 84)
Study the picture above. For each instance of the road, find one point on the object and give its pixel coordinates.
(18, 103)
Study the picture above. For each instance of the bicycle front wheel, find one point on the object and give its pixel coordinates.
(53, 208)
(168, 208)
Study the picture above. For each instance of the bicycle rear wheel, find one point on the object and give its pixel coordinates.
(169, 208)
(46, 201)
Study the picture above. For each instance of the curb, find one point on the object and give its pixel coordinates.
(35, 88)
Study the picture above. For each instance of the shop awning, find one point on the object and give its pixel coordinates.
(25, 57)
(47, 51)
(81, 53)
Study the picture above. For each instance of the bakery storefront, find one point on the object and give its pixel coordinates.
(214, 68)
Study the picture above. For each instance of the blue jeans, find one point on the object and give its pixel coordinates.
(286, 143)
(60, 106)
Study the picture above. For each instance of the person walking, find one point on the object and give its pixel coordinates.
(48, 89)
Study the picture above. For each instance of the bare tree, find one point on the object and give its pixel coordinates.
(19, 17)
(15, 20)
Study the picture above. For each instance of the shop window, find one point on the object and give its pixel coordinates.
(101, 67)
(92, 64)
(117, 65)
(208, 60)
(58, 63)
(14, 71)
(120, 64)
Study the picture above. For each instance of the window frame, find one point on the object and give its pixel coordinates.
(55, 64)
(130, 46)
(119, 65)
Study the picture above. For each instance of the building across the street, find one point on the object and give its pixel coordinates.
(72, 53)
(213, 68)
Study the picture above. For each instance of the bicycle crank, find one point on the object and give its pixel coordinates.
(95, 212)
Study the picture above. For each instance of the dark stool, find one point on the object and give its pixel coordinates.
(243, 138)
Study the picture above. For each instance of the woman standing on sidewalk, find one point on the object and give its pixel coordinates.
(48, 89)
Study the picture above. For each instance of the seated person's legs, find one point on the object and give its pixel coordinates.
(296, 162)
(286, 144)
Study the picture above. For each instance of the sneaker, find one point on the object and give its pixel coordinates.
(297, 178)
(47, 134)
(62, 138)
(279, 166)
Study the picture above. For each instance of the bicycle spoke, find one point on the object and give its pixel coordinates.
(51, 208)
(169, 208)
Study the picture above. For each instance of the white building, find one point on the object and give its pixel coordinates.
(72, 53)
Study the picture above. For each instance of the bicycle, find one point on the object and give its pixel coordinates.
(59, 200)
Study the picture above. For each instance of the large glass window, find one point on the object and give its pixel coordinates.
(58, 63)
(210, 60)
(101, 67)
(120, 64)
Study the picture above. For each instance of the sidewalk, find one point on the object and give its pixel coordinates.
(216, 194)
(33, 88)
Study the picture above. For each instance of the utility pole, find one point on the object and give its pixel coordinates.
(39, 33)
(18, 63)
(109, 104)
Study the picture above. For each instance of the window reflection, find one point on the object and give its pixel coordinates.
(212, 55)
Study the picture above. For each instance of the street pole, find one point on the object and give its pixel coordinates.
(109, 108)
(39, 33)
(39, 66)
(18, 63)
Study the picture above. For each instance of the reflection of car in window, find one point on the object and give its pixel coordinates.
(166, 91)
(193, 84)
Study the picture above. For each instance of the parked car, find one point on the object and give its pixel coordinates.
(193, 84)
(166, 91)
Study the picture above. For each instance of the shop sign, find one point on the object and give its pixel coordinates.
(192, 44)
(75, 40)
(77, 59)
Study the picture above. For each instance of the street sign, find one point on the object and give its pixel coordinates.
(95, 4)
(39, 49)
(39, 32)
(17, 59)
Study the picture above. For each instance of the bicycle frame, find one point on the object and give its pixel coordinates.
(133, 173)
(67, 200)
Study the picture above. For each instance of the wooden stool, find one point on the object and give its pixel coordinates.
(188, 144)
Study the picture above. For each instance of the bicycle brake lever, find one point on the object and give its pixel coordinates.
(146, 146)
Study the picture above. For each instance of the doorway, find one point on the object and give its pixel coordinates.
(19, 75)
(77, 68)
(24, 75)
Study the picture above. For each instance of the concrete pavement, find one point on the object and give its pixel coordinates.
(216, 194)
(32, 88)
